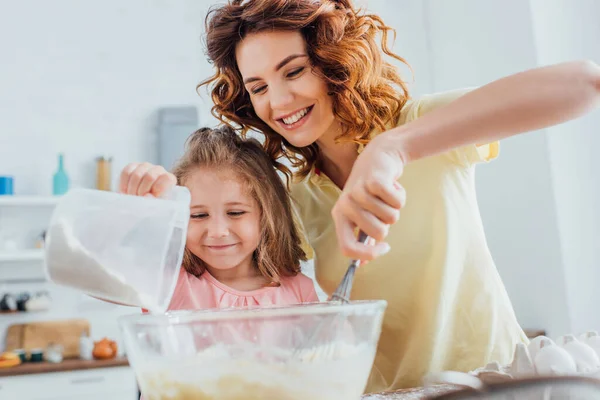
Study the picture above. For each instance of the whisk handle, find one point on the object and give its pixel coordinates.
(342, 292)
(362, 237)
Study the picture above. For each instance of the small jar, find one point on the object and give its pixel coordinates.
(41, 301)
(22, 300)
(37, 355)
(8, 303)
(22, 355)
(40, 240)
(86, 347)
(103, 173)
(54, 353)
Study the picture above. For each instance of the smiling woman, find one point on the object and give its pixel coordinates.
(291, 97)
(313, 82)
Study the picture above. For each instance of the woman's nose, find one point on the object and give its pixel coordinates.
(281, 97)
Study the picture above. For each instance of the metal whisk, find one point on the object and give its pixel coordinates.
(341, 295)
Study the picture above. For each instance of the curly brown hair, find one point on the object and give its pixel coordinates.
(279, 251)
(367, 91)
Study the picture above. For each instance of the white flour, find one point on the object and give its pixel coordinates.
(213, 375)
(71, 264)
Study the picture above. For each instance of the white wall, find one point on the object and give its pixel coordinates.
(537, 200)
(472, 43)
(564, 32)
(86, 78)
(409, 19)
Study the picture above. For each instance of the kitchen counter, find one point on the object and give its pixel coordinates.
(79, 365)
(64, 366)
(413, 394)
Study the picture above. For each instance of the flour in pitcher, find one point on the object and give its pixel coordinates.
(70, 264)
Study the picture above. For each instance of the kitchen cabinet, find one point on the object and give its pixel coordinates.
(117, 383)
(22, 221)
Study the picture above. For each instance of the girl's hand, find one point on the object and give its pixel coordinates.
(145, 179)
(371, 199)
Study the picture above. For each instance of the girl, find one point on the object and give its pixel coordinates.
(312, 77)
(242, 247)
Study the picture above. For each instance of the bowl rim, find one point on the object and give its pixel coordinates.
(253, 312)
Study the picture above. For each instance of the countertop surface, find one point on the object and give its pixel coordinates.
(64, 366)
(413, 394)
(78, 365)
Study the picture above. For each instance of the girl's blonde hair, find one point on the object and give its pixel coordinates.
(346, 48)
(279, 251)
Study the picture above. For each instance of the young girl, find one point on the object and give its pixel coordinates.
(242, 246)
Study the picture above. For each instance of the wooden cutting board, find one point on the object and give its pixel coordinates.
(38, 335)
(14, 337)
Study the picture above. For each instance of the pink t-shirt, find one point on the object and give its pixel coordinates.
(204, 292)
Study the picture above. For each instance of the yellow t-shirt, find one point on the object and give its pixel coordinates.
(447, 306)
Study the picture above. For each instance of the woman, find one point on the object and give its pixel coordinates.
(310, 75)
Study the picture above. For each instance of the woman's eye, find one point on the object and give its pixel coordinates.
(295, 72)
(199, 216)
(259, 89)
(236, 213)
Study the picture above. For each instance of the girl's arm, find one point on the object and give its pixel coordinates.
(523, 102)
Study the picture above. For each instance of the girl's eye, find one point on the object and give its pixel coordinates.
(199, 216)
(259, 89)
(295, 72)
(236, 213)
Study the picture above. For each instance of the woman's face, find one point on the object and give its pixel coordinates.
(284, 91)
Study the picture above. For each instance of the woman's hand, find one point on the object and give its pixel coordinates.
(145, 179)
(371, 199)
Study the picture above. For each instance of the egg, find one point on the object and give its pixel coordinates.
(553, 360)
(592, 339)
(534, 345)
(585, 357)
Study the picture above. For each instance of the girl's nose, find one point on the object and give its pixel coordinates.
(218, 228)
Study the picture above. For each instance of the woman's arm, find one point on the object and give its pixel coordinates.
(523, 102)
(527, 101)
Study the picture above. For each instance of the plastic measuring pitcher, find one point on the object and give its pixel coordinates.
(122, 248)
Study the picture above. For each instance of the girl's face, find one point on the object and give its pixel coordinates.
(224, 229)
(284, 91)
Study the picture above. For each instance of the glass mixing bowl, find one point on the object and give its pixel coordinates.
(255, 353)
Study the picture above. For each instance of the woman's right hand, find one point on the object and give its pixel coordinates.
(145, 179)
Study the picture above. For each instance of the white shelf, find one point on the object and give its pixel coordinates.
(22, 255)
(29, 201)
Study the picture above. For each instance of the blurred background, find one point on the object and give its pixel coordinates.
(102, 84)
